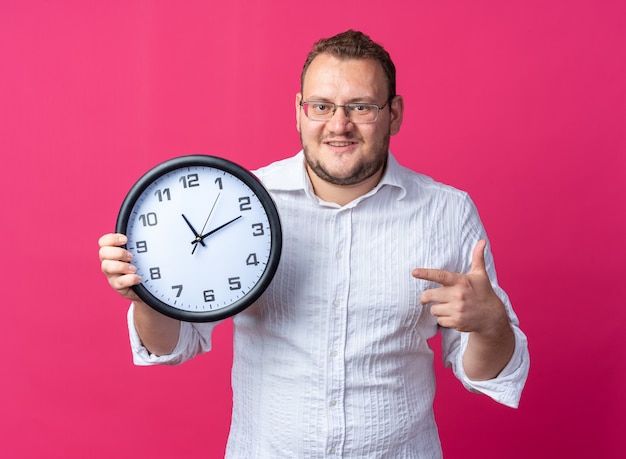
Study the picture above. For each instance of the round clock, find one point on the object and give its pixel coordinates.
(205, 237)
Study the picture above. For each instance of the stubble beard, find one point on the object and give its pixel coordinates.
(361, 171)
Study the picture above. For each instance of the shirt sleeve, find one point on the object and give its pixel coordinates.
(194, 339)
(507, 387)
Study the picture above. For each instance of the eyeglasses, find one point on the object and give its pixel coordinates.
(357, 113)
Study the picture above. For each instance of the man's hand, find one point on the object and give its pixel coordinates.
(115, 264)
(465, 302)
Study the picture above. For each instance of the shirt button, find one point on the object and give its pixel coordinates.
(336, 303)
(339, 255)
(333, 354)
(333, 402)
(331, 451)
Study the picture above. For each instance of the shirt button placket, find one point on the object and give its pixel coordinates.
(337, 339)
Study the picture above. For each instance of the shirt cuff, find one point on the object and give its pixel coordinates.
(506, 388)
(143, 357)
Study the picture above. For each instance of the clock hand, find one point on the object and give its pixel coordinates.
(210, 213)
(199, 238)
(216, 229)
(193, 230)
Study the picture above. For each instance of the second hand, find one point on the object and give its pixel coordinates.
(206, 222)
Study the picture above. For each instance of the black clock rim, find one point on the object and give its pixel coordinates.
(266, 200)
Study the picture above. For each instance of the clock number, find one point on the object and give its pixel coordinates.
(252, 260)
(165, 193)
(189, 180)
(209, 295)
(258, 229)
(219, 183)
(142, 246)
(179, 290)
(235, 283)
(155, 273)
(244, 203)
(149, 219)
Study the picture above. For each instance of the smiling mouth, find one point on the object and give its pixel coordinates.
(340, 144)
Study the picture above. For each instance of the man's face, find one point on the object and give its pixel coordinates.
(339, 151)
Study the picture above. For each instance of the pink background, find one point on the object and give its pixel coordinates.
(521, 103)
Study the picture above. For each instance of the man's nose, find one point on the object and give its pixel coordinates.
(340, 120)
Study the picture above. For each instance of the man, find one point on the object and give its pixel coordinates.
(333, 359)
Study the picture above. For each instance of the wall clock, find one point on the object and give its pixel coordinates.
(205, 237)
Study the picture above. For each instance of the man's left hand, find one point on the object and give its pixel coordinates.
(465, 302)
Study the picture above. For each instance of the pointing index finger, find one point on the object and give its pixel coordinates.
(443, 277)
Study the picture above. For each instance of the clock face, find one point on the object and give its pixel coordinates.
(205, 237)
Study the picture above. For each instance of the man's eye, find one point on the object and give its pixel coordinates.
(321, 107)
(360, 108)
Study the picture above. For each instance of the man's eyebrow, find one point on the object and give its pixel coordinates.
(316, 99)
(354, 100)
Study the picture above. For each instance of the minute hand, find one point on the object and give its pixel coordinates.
(195, 241)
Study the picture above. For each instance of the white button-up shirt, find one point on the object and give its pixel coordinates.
(333, 359)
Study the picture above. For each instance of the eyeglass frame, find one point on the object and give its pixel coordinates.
(345, 111)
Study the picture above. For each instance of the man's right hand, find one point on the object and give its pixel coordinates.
(115, 264)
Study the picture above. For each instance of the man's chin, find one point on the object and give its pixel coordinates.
(342, 177)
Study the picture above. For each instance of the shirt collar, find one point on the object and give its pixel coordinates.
(393, 176)
(293, 176)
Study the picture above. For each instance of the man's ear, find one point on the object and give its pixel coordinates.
(298, 110)
(396, 108)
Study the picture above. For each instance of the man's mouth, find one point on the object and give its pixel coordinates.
(339, 143)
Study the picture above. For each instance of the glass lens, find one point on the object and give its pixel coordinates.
(356, 113)
(362, 113)
(319, 110)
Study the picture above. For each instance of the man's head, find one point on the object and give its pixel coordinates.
(354, 45)
(346, 147)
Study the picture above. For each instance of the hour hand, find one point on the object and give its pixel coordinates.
(195, 233)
